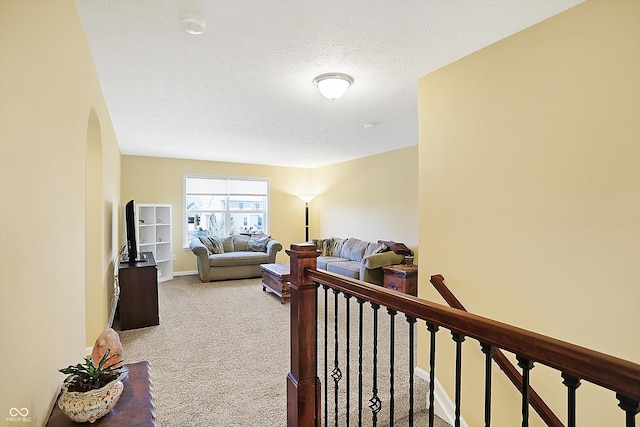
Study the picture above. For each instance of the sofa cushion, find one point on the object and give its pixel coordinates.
(322, 261)
(258, 243)
(353, 249)
(213, 244)
(345, 268)
(336, 246)
(229, 259)
(227, 244)
(240, 242)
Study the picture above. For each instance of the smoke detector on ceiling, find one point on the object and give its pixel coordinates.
(193, 24)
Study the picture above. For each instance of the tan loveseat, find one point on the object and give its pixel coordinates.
(356, 258)
(234, 257)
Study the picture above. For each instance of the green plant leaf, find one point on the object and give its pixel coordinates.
(89, 376)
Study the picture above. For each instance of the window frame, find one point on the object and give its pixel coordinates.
(228, 211)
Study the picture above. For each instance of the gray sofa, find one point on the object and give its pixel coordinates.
(356, 258)
(234, 257)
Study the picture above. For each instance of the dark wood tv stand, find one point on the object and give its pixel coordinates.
(138, 303)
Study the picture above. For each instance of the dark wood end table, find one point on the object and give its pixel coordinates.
(402, 278)
(275, 278)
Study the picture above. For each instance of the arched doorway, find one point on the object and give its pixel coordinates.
(94, 312)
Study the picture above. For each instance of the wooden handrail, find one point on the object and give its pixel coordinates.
(303, 386)
(613, 373)
(501, 360)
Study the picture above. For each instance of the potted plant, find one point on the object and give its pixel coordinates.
(90, 391)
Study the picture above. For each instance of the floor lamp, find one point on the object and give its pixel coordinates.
(306, 221)
(306, 200)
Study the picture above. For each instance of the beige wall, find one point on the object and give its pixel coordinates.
(372, 198)
(160, 180)
(48, 90)
(530, 193)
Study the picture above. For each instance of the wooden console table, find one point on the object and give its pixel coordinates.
(134, 408)
(275, 277)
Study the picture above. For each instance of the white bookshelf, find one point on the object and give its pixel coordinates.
(153, 233)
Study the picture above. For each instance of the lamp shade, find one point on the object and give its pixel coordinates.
(333, 85)
(306, 198)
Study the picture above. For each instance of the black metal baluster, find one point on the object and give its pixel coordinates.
(326, 366)
(392, 344)
(458, 338)
(526, 366)
(572, 384)
(412, 322)
(489, 351)
(631, 407)
(336, 374)
(375, 403)
(360, 330)
(348, 351)
(432, 369)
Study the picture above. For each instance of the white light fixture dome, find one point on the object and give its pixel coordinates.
(193, 24)
(333, 85)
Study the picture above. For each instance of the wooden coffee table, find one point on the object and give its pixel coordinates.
(275, 278)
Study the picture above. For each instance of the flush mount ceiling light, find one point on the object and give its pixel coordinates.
(193, 24)
(333, 85)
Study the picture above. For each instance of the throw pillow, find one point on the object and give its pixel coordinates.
(213, 244)
(327, 247)
(324, 246)
(258, 243)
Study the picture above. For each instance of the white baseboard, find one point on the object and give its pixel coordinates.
(185, 273)
(443, 406)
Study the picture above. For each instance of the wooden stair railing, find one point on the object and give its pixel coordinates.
(575, 363)
(501, 360)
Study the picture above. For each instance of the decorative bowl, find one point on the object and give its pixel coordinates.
(90, 405)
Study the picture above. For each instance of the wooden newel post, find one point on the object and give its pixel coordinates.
(303, 384)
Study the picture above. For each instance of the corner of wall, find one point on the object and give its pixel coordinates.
(443, 406)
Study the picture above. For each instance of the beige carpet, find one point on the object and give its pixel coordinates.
(220, 356)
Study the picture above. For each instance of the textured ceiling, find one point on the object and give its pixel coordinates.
(243, 91)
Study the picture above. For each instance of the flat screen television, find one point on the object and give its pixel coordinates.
(132, 245)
